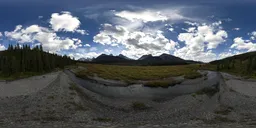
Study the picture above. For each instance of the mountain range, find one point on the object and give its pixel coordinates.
(164, 59)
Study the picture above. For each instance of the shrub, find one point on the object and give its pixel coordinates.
(162, 83)
(138, 106)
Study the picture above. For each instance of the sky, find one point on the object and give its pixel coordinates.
(200, 30)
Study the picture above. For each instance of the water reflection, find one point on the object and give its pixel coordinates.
(139, 91)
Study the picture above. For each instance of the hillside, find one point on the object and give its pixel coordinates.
(243, 64)
(164, 59)
(103, 58)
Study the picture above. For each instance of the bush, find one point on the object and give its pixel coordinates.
(138, 106)
(193, 75)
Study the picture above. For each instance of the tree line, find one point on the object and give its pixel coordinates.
(246, 65)
(26, 59)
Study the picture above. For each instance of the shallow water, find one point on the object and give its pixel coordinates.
(139, 91)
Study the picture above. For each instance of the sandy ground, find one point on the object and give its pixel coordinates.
(63, 103)
(237, 84)
(26, 86)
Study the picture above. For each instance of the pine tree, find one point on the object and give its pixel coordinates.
(249, 65)
(24, 59)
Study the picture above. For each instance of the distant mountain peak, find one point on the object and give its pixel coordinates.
(85, 59)
(125, 57)
(165, 54)
(145, 57)
(163, 59)
(120, 55)
(111, 58)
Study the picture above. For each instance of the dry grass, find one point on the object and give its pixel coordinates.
(130, 73)
(139, 106)
(102, 119)
(78, 106)
(224, 111)
(192, 75)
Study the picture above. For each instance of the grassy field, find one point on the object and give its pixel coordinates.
(128, 73)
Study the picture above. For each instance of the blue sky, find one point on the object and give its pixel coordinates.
(203, 30)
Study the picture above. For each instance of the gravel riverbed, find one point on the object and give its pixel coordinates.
(58, 101)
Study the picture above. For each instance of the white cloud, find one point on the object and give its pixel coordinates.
(136, 43)
(171, 29)
(236, 29)
(83, 32)
(108, 51)
(92, 49)
(191, 23)
(218, 23)
(215, 39)
(87, 45)
(199, 41)
(36, 34)
(111, 35)
(65, 22)
(203, 56)
(78, 55)
(253, 35)
(241, 44)
(2, 47)
(225, 55)
(228, 54)
(47, 36)
(151, 15)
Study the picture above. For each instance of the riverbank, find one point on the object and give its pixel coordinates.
(153, 76)
(65, 103)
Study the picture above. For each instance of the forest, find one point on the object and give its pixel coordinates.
(22, 59)
(243, 64)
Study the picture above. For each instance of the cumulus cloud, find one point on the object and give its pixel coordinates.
(241, 44)
(37, 34)
(111, 35)
(78, 55)
(47, 36)
(87, 45)
(199, 42)
(85, 52)
(65, 22)
(253, 35)
(199, 39)
(2, 47)
(108, 51)
(136, 43)
(203, 56)
(228, 54)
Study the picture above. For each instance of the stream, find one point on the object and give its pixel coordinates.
(140, 91)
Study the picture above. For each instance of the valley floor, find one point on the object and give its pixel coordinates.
(64, 103)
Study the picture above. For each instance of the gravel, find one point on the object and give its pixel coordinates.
(59, 102)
